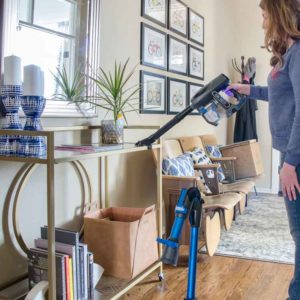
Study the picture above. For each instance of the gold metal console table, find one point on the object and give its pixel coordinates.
(56, 157)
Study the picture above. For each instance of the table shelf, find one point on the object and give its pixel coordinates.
(55, 157)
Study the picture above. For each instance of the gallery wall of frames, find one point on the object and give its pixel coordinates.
(161, 50)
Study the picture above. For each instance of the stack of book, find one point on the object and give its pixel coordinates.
(74, 265)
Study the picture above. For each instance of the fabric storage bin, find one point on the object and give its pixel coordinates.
(248, 161)
(122, 239)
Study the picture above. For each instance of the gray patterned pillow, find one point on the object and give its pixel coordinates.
(179, 166)
(200, 157)
(213, 151)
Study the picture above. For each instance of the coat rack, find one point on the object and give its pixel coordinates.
(247, 71)
(237, 68)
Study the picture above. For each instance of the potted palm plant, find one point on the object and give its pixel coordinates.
(112, 95)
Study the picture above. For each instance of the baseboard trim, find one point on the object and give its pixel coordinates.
(265, 191)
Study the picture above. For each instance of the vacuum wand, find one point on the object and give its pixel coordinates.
(189, 204)
(209, 104)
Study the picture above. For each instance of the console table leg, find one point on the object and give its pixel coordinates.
(50, 218)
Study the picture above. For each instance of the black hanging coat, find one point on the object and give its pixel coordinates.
(245, 123)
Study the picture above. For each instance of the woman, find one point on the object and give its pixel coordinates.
(281, 22)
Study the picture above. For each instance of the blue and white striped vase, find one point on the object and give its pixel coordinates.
(33, 146)
(10, 104)
(3, 112)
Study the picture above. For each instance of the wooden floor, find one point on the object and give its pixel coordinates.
(219, 278)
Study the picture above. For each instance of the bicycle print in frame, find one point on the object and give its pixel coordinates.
(153, 47)
(196, 27)
(192, 90)
(177, 95)
(155, 10)
(196, 63)
(178, 16)
(177, 56)
(153, 93)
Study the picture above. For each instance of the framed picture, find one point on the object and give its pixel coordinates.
(177, 56)
(153, 93)
(177, 95)
(155, 10)
(153, 47)
(192, 90)
(196, 27)
(178, 16)
(196, 62)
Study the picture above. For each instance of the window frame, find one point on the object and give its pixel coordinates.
(58, 108)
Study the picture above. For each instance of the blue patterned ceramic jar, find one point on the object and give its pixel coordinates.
(10, 104)
(11, 100)
(33, 146)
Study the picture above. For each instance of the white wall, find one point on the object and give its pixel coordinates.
(230, 31)
(248, 39)
(122, 40)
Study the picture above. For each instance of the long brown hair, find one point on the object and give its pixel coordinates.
(283, 23)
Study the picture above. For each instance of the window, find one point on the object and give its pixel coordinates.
(53, 34)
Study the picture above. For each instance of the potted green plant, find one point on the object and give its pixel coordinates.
(71, 90)
(116, 98)
(112, 95)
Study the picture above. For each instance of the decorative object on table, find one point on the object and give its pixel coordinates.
(178, 16)
(192, 90)
(196, 63)
(153, 47)
(113, 131)
(11, 100)
(12, 70)
(116, 98)
(196, 27)
(177, 56)
(33, 104)
(177, 95)
(11, 92)
(153, 93)
(155, 10)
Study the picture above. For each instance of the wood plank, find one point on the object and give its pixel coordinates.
(218, 278)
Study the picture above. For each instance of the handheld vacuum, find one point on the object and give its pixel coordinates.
(213, 102)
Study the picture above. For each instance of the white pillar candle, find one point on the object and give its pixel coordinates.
(33, 84)
(12, 70)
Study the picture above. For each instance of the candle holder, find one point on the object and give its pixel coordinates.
(33, 146)
(11, 100)
(10, 104)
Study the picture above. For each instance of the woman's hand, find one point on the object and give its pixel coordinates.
(240, 88)
(289, 181)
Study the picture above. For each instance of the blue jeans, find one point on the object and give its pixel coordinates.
(293, 212)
